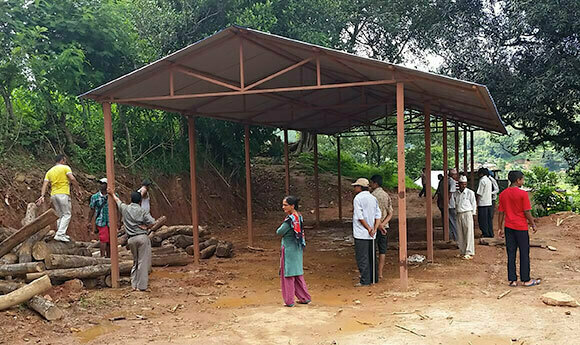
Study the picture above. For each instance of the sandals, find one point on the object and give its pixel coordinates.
(513, 284)
(533, 282)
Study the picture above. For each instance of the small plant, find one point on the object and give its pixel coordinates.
(550, 201)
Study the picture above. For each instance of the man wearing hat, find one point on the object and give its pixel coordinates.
(365, 222)
(99, 206)
(466, 208)
(144, 190)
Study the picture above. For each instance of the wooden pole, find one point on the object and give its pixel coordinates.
(316, 182)
(403, 269)
(445, 183)
(339, 173)
(472, 177)
(286, 162)
(113, 215)
(428, 194)
(193, 187)
(248, 186)
(456, 147)
(465, 152)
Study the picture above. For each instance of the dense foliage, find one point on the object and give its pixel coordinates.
(52, 51)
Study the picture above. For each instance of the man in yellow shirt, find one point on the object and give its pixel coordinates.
(60, 176)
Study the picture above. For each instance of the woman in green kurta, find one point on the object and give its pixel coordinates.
(293, 243)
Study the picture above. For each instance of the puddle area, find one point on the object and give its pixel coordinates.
(92, 333)
(354, 325)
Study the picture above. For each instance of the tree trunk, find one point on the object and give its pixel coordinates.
(73, 261)
(123, 119)
(25, 293)
(208, 252)
(164, 232)
(224, 249)
(45, 308)
(8, 103)
(25, 251)
(202, 245)
(42, 250)
(178, 259)
(25, 232)
(67, 134)
(21, 269)
(179, 241)
(304, 144)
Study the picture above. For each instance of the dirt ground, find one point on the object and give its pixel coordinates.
(238, 301)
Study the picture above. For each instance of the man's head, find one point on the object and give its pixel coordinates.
(482, 172)
(376, 182)
(440, 177)
(60, 159)
(360, 185)
(103, 185)
(462, 183)
(135, 197)
(516, 177)
(146, 183)
(453, 174)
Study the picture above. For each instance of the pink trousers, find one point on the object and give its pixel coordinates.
(292, 286)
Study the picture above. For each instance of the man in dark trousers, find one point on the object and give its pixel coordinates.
(513, 218)
(366, 219)
(484, 203)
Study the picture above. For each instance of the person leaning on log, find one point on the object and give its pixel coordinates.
(60, 176)
(137, 221)
(100, 206)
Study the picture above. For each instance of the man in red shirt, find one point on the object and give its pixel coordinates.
(514, 216)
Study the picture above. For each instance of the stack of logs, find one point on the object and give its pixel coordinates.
(30, 255)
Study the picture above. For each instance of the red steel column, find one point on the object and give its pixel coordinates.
(248, 186)
(403, 269)
(465, 152)
(286, 162)
(472, 177)
(113, 215)
(193, 187)
(457, 147)
(338, 172)
(316, 182)
(445, 183)
(428, 195)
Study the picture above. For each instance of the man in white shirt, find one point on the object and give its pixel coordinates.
(494, 192)
(484, 204)
(452, 217)
(366, 219)
(466, 208)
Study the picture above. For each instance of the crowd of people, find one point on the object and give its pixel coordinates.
(135, 216)
(372, 211)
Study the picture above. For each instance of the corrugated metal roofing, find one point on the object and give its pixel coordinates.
(326, 111)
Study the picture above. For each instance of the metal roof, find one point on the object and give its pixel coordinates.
(252, 77)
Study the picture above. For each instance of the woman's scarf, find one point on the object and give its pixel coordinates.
(296, 224)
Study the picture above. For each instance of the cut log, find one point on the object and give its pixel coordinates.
(73, 261)
(8, 286)
(21, 269)
(45, 307)
(6, 232)
(207, 252)
(179, 241)
(164, 232)
(25, 251)
(202, 245)
(86, 272)
(224, 249)
(25, 293)
(41, 305)
(488, 241)
(25, 232)
(158, 223)
(180, 259)
(31, 209)
(9, 259)
(42, 250)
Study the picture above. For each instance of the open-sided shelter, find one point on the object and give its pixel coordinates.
(256, 78)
